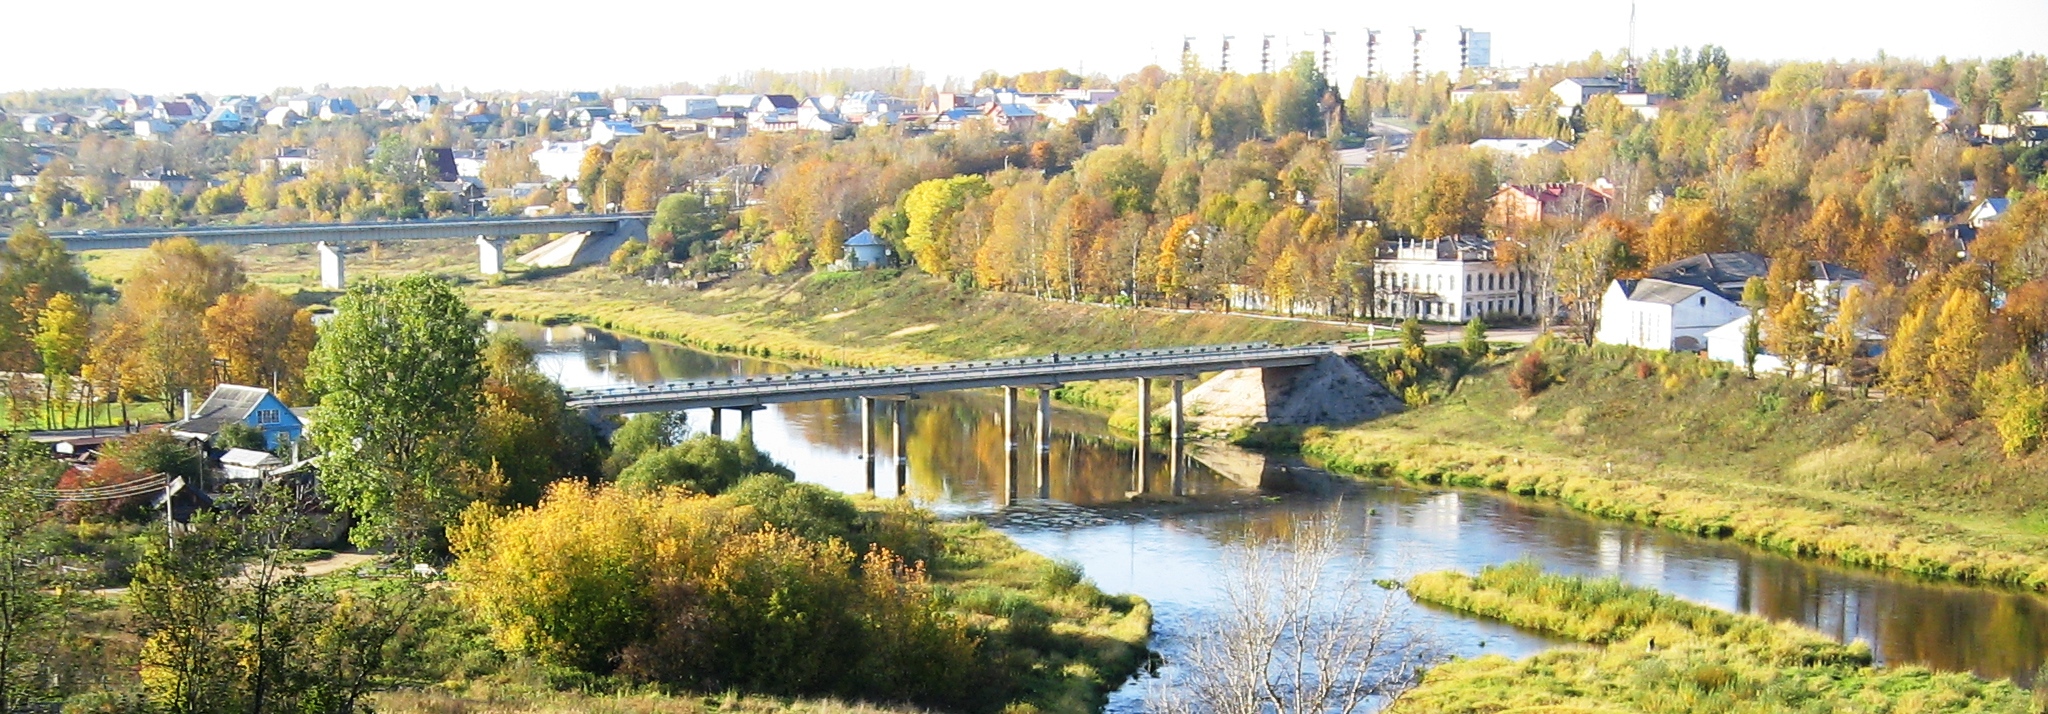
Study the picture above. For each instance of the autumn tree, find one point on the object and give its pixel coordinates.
(930, 207)
(1954, 356)
(160, 317)
(261, 338)
(62, 330)
(32, 601)
(33, 268)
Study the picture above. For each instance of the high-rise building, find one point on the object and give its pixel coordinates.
(1475, 49)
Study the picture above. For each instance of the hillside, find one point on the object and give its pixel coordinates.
(1689, 444)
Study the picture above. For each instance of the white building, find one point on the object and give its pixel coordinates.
(562, 161)
(1661, 314)
(692, 106)
(1447, 280)
(1725, 344)
(1523, 148)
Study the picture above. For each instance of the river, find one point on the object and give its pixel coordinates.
(956, 465)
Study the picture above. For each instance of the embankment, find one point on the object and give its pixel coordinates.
(1679, 442)
(1656, 654)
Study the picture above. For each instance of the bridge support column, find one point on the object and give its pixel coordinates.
(490, 255)
(1009, 444)
(1144, 408)
(331, 276)
(1045, 441)
(900, 436)
(1179, 421)
(718, 422)
(867, 439)
(746, 434)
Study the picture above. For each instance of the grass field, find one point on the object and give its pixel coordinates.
(1684, 443)
(1655, 654)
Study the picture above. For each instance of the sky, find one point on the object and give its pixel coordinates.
(256, 46)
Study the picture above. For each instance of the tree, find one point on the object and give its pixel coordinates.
(1294, 637)
(526, 434)
(1953, 360)
(1904, 365)
(262, 339)
(399, 375)
(1844, 333)
(1475, 340)
(591, 173)
(159, 317)
(61, 333)
(31, 606)
(704, 463)
(33, 268)
(930, 207)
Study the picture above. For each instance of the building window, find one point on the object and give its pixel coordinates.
(266, 416)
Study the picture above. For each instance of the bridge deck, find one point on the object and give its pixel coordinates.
(921, 379)
(350, 232)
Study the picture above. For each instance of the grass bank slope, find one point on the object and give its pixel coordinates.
(1689, 444)
(1656, 654)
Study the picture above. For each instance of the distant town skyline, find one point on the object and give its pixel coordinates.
(250, 46)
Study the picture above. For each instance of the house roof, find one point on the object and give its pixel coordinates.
(229, 403)
(863, 238)
(1663, 292)
(1725, 273)
(1595, 82)
(249, 458)
(782, 101)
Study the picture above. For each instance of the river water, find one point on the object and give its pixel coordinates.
(956, 465)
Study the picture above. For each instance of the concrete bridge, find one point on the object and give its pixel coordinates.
(1043, 374)
(491, 235)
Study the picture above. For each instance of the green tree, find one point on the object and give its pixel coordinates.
(31, 606)
(1475, 340)
(399, 374)
(525, 431)
(61, 333)
(930, 207)
(704, 463)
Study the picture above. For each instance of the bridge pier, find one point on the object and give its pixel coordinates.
(1144, 408)
(1179, 421)
(331, 276)
(900, 434)
(867, 439)
(718, 422)
(1045, 441)
(490, 255)
(1009, 444)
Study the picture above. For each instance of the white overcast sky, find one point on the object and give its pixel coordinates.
(232, 46)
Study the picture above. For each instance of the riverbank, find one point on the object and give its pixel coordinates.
(1683, 443)
(1653, 653)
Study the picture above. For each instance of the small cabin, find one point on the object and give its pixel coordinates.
(254, 406)
(864, 250)
(248, 464)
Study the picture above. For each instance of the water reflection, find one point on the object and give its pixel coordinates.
(957, 463)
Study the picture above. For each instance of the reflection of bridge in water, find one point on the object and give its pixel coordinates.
(898, 384)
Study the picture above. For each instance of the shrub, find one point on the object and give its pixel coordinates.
(1531, 375)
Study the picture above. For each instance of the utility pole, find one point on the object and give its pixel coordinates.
(1628, 57)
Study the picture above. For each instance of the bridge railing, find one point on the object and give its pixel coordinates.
(918, 374)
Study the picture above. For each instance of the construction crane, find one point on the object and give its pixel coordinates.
(1415, 68)
(1225, 63)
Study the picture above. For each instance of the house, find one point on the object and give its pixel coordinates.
(694, 106)
(1523, 148)
(1986, 212)
(283, 117)
(560, 160)
(160, 178)
(1516, 206)
(222, 120)
(2035, 116)
(633, 106)
(104, 120)
(292, 159)
(772, 103)
(589, 116)
(585, 97)
(138, 104)
(1659, 314)
(1681, 301)
(1727, 343)
(1449, 279)
(1485, 87)
(737, 102)
(1010, 117)
(254, 406)
(337, 108)
(610, 130)
(1574, 92)
(420, 106)
(864, 250)
(307, 105)
(1940, 108)
(153, 128)
(248, 464)
(471, 162)
(439, 162)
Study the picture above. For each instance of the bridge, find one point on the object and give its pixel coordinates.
(1043, 374)
(490, 233)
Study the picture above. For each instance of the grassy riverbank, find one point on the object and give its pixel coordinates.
(1684, 443)
(1654, 654)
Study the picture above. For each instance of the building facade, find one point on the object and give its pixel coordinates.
(1448, 280)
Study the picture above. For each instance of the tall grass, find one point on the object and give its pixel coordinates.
(1655, 654)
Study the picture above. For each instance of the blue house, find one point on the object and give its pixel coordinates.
(864, 250)
(255, 406)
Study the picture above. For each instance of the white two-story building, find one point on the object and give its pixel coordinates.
(1451, 279)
